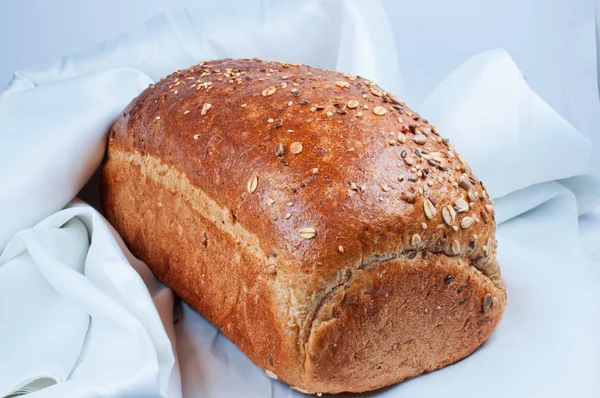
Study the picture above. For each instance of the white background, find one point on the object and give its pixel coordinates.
(552, 41)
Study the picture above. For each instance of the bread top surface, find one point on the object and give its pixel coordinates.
(328, 170)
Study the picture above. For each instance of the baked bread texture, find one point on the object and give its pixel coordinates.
(325, 228)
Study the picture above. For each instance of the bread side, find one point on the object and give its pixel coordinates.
(322, 181)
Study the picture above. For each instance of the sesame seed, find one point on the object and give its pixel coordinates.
(329, 114)
(490, 209)
(359, 114)
(287, 215)
(385, 188)
(341, 249)
(269, 91)
(295, 148)
(270, 201)
(352, 104)
(308, 233)
(157, 118)
(424, 225)
(244, 105)
(186, 112)
(401, 178)
(284, 85)
(252, 184)
(379, 110)
(196, 136)
(315, 170)
(353, 186)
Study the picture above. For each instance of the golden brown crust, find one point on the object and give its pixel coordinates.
(325, 179)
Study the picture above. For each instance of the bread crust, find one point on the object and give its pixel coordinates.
(312, 217)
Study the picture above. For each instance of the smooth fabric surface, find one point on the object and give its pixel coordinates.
(75, 306)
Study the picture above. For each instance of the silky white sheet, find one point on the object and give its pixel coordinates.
(75, 314)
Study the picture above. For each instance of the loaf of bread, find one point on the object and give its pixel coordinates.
(325, 228)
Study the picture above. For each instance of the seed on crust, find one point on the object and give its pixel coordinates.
(425, 130)
(205, 109)
(375, 92)
(449, 215)
(342, 84)
(308, 233)
(341, 249)
(269, 91)
(467, 222)
(352, 104)
(295, 148)
(279, 150)
(455, 247)
(252, 184)
(461, 205)
(379, 110)
(472, 195)
(420, 139)
(416, 239)
(464, 182)
(484, 216)
(271, 374)
(429, 209)
(486, 303)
